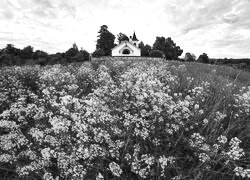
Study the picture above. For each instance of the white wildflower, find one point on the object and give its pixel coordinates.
(115, 169)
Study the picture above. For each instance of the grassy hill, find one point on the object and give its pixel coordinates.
(148, 119)
(197, 70)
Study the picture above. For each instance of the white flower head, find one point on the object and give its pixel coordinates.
(196, 106)
(222, 139)
(115, 169)
(205, 121)
(99, 177)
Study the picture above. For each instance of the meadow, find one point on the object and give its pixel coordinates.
(127, 120)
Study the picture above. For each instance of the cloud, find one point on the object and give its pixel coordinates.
(198, 26)
(211, 26)
(70, 9)
(230, 18)
(7, 14)
(6, 10)
(191, 15)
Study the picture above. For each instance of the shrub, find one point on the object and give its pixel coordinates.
(203, 58)
(189, 57)
(156, 53)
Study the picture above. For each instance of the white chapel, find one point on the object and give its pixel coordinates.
(127, 48)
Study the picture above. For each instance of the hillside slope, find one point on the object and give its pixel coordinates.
(124, 120)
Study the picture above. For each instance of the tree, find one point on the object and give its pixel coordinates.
(27, 52)
(122, 37)
(168, 47)
(10, 56)
(156, 53)
(83, 55)
(98, 53)
(105, 40)
(145, 50)
(8, 60)
(72, 52)
(57, 58)
(10, 49)
(203, 58)
(40, 54)
(189, 57)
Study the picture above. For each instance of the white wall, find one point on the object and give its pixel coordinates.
(136, 52)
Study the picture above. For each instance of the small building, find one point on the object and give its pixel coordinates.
(127, 48)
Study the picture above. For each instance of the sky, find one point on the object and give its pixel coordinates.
(220, 28)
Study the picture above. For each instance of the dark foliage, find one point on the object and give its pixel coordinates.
(72, 52)
(27, 52)
(189, 57)
(203, 58)
(10, 56)
(122, 37)
(39, 54)
(168, 47)
(105, 40)
(98, 53)
(145, 49)
(156, 53)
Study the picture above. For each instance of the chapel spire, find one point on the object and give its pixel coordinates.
(134, 38)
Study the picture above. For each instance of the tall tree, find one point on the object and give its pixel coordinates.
(122, 37)
(145, 50)
(168, 47)
(105, 40)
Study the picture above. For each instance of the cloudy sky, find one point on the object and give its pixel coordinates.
(221, 28)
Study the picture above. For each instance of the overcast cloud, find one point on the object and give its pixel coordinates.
(221, 28)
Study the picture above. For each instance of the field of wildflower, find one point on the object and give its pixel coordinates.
(117, 120)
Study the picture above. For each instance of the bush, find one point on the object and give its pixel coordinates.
(83, 55)
(203, 58)
(189, 57)
(156, 53)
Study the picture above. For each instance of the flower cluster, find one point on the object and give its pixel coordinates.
(239, 171)
(235, 151)
(115, 169)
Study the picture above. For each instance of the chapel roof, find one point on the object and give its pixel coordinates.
(125, 42)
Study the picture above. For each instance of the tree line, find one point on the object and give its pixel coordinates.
(162, 47)
(10, 55)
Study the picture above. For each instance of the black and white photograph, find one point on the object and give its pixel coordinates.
(124, 89)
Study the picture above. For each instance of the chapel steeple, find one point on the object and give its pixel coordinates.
(134, 39)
